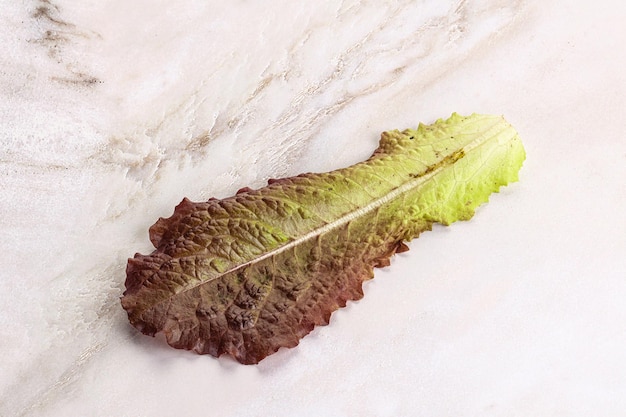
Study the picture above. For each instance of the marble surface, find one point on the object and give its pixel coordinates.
(112, 112)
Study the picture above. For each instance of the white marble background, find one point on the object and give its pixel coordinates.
(111, 112)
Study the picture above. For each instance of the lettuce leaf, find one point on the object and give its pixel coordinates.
(249, 274)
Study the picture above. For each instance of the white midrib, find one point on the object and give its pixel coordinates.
(483, 137)
(361, 211)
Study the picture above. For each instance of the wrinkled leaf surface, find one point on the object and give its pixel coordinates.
(249, 274)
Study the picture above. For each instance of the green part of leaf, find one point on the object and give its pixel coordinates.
(249, 274)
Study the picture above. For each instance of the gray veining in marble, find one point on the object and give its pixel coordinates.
(111, 112)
